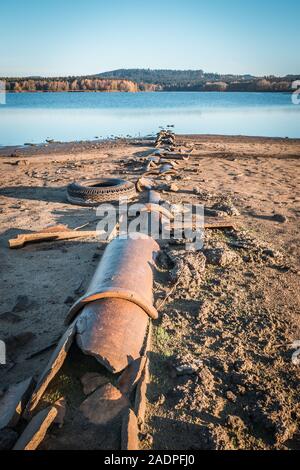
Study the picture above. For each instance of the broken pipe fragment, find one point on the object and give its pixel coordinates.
(116, 308)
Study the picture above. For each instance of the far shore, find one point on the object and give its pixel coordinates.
(182, 90)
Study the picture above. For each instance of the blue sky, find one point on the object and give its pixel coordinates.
(64, 37)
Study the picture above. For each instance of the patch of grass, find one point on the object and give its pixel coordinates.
(163, 341)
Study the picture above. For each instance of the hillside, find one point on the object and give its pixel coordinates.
(198, 80)
(134, 80)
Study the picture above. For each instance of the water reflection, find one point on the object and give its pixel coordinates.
(59, 116)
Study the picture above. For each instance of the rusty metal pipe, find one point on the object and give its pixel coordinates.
(112, 331)
(124, 272)
(115, 310)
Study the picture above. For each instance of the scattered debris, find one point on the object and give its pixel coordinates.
(129, 433)
(91, 381)
(104, 405)
(36, 430)
(296, 354)
(92, 192)
(60, 405)
(227, 206)
(140, 396)
(24, 238)
(131, 375)
(55, 362)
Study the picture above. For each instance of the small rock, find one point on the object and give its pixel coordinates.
(60, 405)
(214, 213)
(185, 369)
(160, 400)
(174, 187)
(146, 437)
(186, 365)
(231, 396)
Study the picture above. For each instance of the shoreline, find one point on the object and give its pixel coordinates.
(288, 92)
(80, 145)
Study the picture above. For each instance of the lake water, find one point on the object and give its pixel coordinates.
(34, 117)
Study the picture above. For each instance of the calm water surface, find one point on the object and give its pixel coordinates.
(34, 117)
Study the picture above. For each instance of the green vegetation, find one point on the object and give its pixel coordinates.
(133, 80)
(198, 80)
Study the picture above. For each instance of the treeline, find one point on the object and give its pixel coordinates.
(250, 85)
(134, 80)
(74, 84)
(198, 80)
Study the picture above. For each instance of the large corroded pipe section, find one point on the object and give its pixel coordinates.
(114, 312)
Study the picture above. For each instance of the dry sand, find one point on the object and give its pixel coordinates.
(232, 324)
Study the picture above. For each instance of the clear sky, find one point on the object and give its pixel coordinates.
(77, 37)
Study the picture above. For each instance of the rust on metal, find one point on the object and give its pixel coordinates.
(124, 272)
(112, 331)
(129, 432)
(36, 430)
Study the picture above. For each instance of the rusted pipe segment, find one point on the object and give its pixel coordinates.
(165, 168)
(124, 272)
(151, 165)
(154, 215)
(177, 156)
(112, 331)
(36, 430)
(153, 158)
(174, 163)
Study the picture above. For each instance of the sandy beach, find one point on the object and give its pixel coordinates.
(237, 317)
